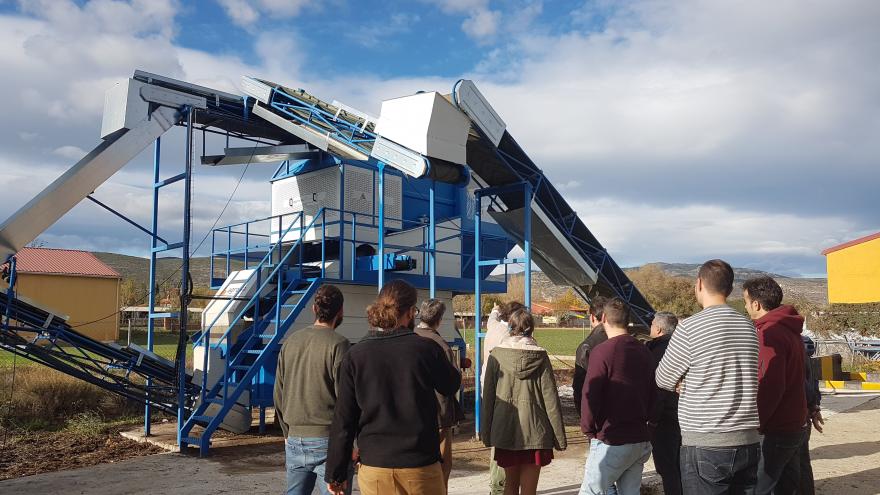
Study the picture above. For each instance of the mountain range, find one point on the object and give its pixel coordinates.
(135, 268)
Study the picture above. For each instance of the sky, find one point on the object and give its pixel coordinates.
(680, 130)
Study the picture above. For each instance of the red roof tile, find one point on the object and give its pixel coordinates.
(62, 262)
(853, 242)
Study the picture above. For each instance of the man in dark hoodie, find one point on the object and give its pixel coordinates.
(582, 354)
(782, 403)
(666, 435)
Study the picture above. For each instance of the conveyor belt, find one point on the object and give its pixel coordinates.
(562, 237)
(40, 336)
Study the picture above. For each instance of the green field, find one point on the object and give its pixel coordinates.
(558, 341)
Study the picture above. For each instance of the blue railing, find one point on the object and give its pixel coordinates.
(204, 338)
(243, 241)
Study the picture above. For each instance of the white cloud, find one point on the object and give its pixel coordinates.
(706, 130)
(481, 23)
(246, 13)
(70, 152)
(241, 12)
(636, 233)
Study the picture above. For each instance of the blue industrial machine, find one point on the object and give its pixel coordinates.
(434, 191)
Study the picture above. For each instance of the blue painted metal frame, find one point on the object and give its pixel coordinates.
(322, 121)
(151, 308)
(526, 260)
(243, 249)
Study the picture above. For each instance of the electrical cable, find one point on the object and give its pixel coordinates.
(145, 295)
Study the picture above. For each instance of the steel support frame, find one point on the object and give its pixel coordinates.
(479, 264)
(622, 288)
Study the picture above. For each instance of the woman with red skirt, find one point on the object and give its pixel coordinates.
(521, 415)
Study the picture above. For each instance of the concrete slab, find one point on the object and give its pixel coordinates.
(164, 436)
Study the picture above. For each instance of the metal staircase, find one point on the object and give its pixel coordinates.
(283, 289)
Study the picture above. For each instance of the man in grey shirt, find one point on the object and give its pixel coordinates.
(712, 359)
(305, 392)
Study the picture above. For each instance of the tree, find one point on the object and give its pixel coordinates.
(563, 304)
(132, 293)
(665, 292)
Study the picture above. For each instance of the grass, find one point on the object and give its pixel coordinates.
(164, 345)
(558, 341)
(44, 399)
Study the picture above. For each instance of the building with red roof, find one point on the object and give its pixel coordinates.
(73, 284)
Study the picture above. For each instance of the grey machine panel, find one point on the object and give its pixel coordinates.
(79, 181)
(551, 251)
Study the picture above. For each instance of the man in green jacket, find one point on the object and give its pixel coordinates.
(305, 392)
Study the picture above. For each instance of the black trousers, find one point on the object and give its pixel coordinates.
(666, 444)
(808, 485)
(779, 471)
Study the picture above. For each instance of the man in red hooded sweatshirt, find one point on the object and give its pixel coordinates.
(782, 403)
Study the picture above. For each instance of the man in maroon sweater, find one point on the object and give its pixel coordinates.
(782, 403)
(616, 405)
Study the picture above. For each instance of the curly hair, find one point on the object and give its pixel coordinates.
(395, 298)
(328, 303)
(765, 290)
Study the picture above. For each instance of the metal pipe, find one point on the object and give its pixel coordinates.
(353, 243)
(478, 347)
(432, 238)
(527, 245)
(381, 225)
(154, 225)
(125, 218)
(184, 284)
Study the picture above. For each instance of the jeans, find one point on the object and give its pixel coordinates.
(305, 461)
(666, 446)
(614, 469)
(719, 470)
(779, 470)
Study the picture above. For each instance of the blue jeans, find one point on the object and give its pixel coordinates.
(305, 460)
(614, 469)
(719, 470)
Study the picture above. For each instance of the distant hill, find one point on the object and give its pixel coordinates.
(814, 290)
(132, 267)
(690, 270)
(167, 269)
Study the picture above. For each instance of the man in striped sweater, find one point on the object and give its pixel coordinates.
(712, 360)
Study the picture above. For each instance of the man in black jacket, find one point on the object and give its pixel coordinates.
(387, 401)
(582, 354)
(814, 419)
(666, 440)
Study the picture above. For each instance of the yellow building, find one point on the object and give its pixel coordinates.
(854, 271)
(73, 284)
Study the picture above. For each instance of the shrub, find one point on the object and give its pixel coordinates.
(44, 398)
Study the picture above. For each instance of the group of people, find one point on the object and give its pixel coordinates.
(724, 402)
(734, 403)
(385, 405)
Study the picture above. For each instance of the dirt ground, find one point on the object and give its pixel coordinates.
(846, 459)
(30, 453)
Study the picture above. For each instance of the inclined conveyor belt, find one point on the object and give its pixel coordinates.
(38, 335)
